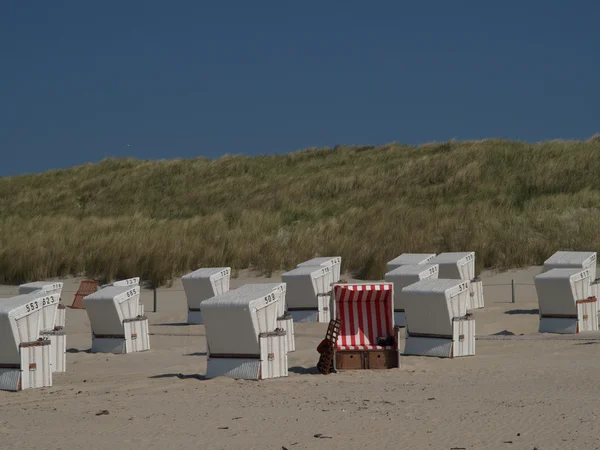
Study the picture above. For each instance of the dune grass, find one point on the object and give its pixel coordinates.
(512, 203)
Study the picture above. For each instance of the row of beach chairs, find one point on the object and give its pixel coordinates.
(33, 341)
(249, 334)
(250, 330)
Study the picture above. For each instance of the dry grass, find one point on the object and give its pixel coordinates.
(513, 203)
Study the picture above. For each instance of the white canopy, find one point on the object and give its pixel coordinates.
(126, 282)
(406, 275)
(49, 287)
(108, 307)
(559, 289)
(135, 281)
(431, 305)
(20, 319)
(205, 283)
(409, 259)
(572, 260)
(234, 320)
(49, 307)
(279, 289)
(326, 261)
(305, 283)
(456, 265)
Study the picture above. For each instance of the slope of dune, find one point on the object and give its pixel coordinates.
(511, 202)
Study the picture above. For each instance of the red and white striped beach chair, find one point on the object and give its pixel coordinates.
(368, 338)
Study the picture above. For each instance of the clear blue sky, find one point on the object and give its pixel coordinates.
(81, 81)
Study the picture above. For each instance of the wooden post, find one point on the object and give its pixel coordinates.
(155, 300)
(512, 282)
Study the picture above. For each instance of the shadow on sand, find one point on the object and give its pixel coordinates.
(304, 370)
(522, 311)
(180, 376)
(76, 350)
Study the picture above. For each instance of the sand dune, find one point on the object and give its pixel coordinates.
(518, 392)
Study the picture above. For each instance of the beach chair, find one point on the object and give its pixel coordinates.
(242, 338)
(333, 262)
(572, 260)
(52, 321)
(575, 260)
(116, 325)
(437, 322)
(129, 282)
(409, 259)
(48, 311)
(24, 356)
(47, 287)
(284, 319)
(367, 336)
(406, 275)
(309, 293)
(135, 281)
(461, 266)
(566, 302)
(201, 285)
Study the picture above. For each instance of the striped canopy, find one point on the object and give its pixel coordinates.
(366, 313)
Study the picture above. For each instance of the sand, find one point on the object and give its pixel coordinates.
(518, 392)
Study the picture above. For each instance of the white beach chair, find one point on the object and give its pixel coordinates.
(566, 302)
(241, 337)
(334, 262)
(575, 260)
(572, 260)
(461, 266)
(409, 259)
(116, 325)
(24, 357)
(284, 319)
(403, 276)
(129, 282)
(201, 285)
(53, 317)
(437, 323)
(309, 293)
(48, 287)
(135, 281)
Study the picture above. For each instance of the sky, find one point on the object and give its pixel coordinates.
(81, 81)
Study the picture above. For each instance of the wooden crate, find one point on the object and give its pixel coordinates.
(366, 359)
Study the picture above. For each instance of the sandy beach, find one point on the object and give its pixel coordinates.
(518, 392)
